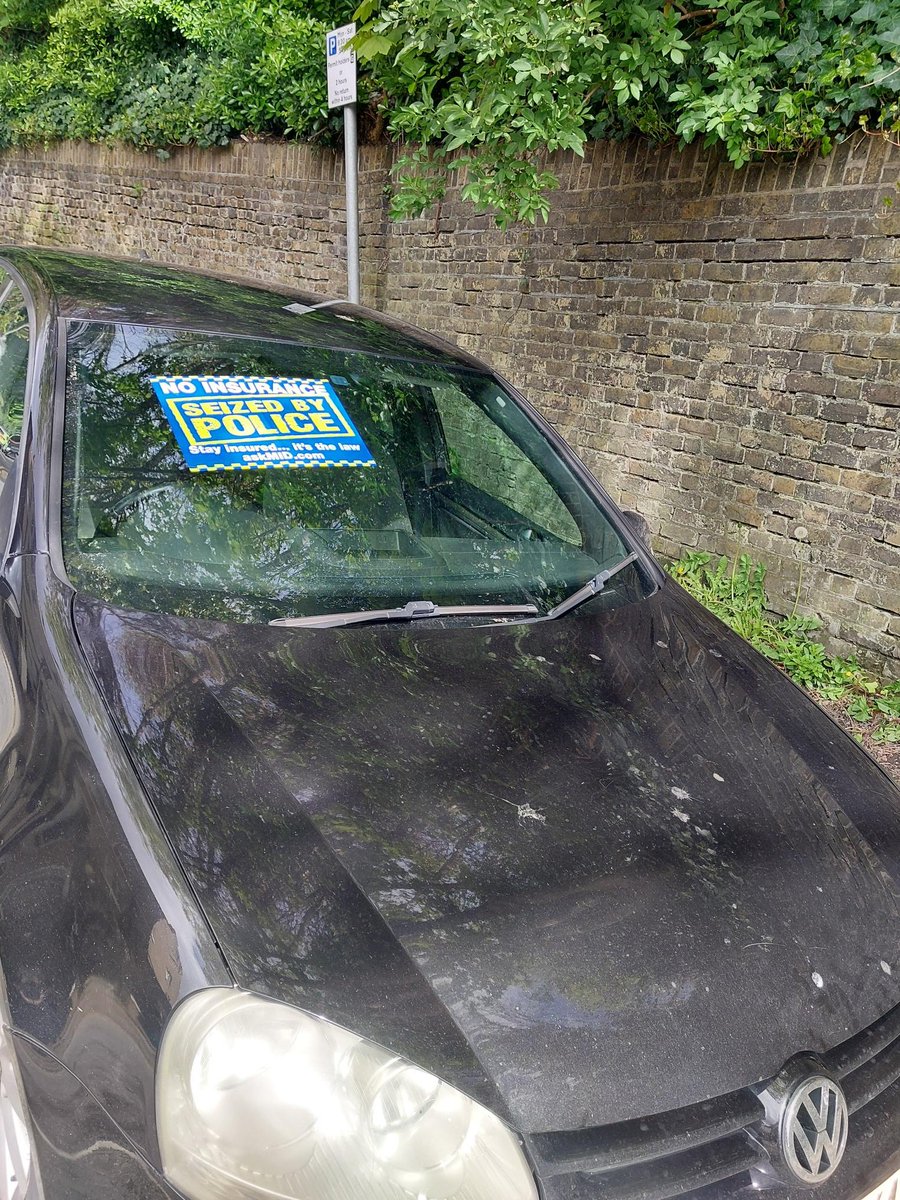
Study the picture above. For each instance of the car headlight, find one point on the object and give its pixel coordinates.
(258, 1099)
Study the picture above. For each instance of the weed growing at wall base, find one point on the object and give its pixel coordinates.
(736, 593)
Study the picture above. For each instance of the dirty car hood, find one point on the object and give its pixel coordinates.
(588, 869)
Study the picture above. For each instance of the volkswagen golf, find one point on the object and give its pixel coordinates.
(377, 820)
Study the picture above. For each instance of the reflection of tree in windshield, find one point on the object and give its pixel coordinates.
(13, 361)
(142, 530)
(203, 302)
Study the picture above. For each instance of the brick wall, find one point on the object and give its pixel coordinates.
(722, 348)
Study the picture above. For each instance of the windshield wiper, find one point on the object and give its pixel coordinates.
(413, 611)
(591, 588)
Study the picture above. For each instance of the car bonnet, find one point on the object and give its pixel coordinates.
(607, 865)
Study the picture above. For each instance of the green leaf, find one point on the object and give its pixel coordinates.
(369, 46)
(870, 11)
(366, 10)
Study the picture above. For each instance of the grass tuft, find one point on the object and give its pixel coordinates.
(736, 593)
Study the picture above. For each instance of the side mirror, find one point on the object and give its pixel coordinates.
(639, 525)
(9, 451)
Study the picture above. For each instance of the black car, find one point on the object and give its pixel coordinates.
(377, 820)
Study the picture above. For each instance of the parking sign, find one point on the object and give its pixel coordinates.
(341, 66)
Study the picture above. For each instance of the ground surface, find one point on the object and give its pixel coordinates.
(887, 755)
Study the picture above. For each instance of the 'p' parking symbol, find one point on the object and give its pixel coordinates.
(332, 45)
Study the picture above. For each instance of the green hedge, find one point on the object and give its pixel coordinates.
(158, 73)
(484, 84)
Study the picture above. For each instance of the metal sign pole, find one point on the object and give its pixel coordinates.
(340, 66)
(351, 183)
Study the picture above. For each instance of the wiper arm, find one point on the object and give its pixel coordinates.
(413, 611)
(591, 588)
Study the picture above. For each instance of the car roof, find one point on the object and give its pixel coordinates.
(90, 288)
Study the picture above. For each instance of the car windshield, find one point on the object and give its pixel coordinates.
(248, 479)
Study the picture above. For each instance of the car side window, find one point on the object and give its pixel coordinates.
(14, 343)
(484, 456)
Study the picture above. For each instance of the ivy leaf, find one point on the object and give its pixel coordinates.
(805, 48)
(870, 11)
(837, 9)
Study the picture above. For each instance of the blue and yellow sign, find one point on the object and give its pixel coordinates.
(249, 423)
